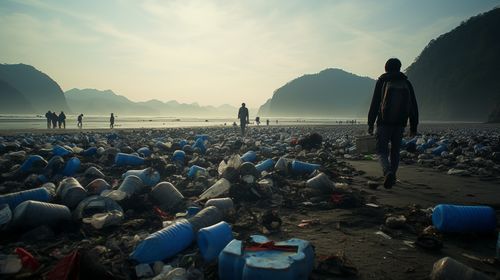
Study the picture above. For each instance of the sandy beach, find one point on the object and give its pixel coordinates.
(352, 228)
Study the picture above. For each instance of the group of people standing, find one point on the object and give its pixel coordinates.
(54, 120)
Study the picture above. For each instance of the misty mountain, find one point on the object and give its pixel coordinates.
(456, 77)
(41, 93)
(13, 101)
(103, 102)
(329, 93)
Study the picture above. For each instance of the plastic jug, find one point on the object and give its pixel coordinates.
(179, 156)
(131, 185)
(33, 163)
(5, 214)
(220, 188)
(200, 144)
(206, 217)
(144, 151)
(60, 151)
(97, 186)
(71, 192)
(224, 204)
(92, 151)
(321, 182)
(167, 196)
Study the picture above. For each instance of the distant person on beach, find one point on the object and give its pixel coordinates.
(244, 118)
(112, 121)
(55, 119)
(267, 122)
(62, 120)
(48, 115)
(257, 120)
(80, 121)
(393, 103)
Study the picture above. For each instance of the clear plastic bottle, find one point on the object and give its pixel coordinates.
(450, 269)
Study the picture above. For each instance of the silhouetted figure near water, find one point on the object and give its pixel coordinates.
(48, 115)
(62, 120)
(55, 119)
(80, 121)
(267, 122)
(393, 103)
(257, 120)
(112, 121)
(244, 118)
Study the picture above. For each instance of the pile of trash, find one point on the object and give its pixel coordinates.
(160, 204)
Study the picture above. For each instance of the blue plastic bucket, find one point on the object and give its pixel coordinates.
(183, 143)
(267, 164)
(164, 243)
(463, 219)
(212, 239)
(249, 156)
(72, 166)
(14, 199)
(123, 159)
(304, 167)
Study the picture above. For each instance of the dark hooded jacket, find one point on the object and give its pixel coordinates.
(374, 113)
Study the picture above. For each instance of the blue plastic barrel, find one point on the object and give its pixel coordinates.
(212, 239)
(30, 214)
(89, 152)
(249, 156)
(304, 167)
(164, 243)
(195, 169)
(72, 166)
(123, 159)
(267, 164)
(463, 219)
(149, 176)
(31, 162)
(60, 151)
(144, 151)
(14, 199)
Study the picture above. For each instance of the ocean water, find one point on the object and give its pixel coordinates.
(13, 122)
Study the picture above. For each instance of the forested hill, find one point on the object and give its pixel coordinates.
(457, 76)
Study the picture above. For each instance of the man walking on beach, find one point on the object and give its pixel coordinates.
(244, 118)
(80, 121)
(393, 103)
(62, 120)
(55, 119)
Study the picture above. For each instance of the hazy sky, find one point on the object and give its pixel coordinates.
(215, 52)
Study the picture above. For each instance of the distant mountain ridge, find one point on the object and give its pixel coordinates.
(329, 93)
(93, 101)
(35, 90)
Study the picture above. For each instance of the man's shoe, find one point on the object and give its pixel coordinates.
(390, 180)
